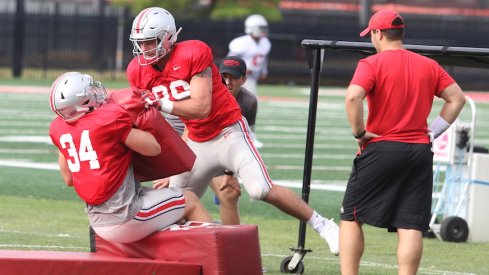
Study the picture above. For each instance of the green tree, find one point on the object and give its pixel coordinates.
(215, 9)
(231, 9)
(180, 9)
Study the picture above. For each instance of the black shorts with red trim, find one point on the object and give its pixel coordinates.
(390, 186)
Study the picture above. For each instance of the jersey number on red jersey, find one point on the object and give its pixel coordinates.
(179, 89)
(85, 153)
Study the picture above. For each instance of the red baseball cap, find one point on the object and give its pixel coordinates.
(382, 20)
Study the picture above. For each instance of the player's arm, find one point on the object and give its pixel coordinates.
(64, 170)
(198, 105)
(354, 108)
(143, 142)
(454, 102)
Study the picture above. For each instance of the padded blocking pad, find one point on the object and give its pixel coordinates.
(175, 158)
(19, 262)
(220, 249)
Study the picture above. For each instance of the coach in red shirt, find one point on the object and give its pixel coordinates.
(391, 182)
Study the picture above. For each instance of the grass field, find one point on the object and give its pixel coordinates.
(39, 213)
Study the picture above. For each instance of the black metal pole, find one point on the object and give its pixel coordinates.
(364, 13)
(18, 48)
(99, 34)
(311, 125)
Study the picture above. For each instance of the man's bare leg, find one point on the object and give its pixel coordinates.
(194, 209)
(289, 202)
(351, 247)
(228, 199)
(409, 250)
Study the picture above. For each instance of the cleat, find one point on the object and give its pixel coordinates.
(331, 234)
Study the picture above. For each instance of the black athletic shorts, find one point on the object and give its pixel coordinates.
(390, 186)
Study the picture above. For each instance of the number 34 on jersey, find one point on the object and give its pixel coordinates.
(85, 153)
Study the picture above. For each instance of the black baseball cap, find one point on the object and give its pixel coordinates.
(233, 65)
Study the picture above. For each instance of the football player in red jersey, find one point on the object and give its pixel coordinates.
(96, 141)
(187, 84)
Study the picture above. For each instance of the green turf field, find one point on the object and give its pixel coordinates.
(37, 212)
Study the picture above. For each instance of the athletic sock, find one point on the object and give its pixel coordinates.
(316, 221)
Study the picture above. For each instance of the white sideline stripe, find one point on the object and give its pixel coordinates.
(32, 139)
(301, 156)
(26, 164)
(318, 185)
(338, 186)
(319, 168)
(37, 246)
(329, 186)
(365, 263)
(317, 146)
(60, 235)
(24, 151)
(54, 166)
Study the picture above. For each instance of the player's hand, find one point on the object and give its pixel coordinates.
(150, 100)
(230, 182)
(161, 183)
(366, 138)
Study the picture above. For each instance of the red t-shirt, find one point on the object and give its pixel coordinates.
(400, 88)
(187, 59)
(94, 149)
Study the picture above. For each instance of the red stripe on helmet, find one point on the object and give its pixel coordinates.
(140, 18)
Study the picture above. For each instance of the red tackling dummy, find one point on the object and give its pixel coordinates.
(175, 158)
(220, 249)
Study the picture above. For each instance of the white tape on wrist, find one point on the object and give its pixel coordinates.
(438, 126)
(166, 106)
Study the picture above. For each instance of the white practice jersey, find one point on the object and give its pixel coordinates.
(253, 53)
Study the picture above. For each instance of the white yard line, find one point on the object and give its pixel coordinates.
(24, 151)
(30, 139)
(61, 235)
(29, 247)
(365, 263)
(316, 185)
(28, 164)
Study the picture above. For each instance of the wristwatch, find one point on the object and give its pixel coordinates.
(359, 136)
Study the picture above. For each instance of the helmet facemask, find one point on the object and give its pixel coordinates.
(259, 31)
(155, 27)
(256, 25)
(74, 95)
(162, 45)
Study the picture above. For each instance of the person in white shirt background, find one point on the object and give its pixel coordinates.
(253, 48)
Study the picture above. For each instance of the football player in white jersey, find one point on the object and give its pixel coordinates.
(253, 48)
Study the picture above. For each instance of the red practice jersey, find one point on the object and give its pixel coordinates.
(400, 88)
(187, 59)
(94, 149)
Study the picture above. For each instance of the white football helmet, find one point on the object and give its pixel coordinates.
(256, 25)
(155, 25)
(74, 94)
